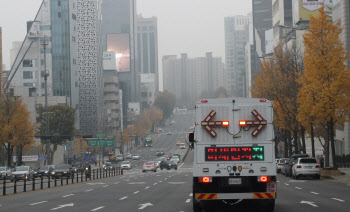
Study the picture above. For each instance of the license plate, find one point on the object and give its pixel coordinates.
(308, 167)
(234, 181)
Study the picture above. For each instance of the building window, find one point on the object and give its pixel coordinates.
(42, 85)
(27, 75)
(28, 84)
(74, 17)
(144, 94)
(27, 63)
(59, 3)
(150, 94)
(45, 27)
(59, 14)
(73, 38)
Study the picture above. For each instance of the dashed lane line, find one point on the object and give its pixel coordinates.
(188, 200)
(123, 198)
(160, 181)
(191, 194)
(297, 188)
(136, 192)
(147, 187)
(99, 208)
(155, 183)
(68, 195)
(286, 184)
(340, 200)
(37, 203)
(312, 192)
(105, 186)
(89, 190)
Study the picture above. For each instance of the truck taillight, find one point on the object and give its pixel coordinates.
(204, 101)
(144, 165)
(204, 179)
(299, 166)
(264, 179)
(262, 100)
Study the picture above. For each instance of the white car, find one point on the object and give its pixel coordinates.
(182, 146)
(135, 157)
(176, 159)
(280, 164)
(5, 172)
(306, 167)
(126, 165)
(119, 157)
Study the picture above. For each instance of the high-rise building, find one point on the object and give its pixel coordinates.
(236, 37)
(191, 79)
(118, 29)
(54, 26)
(89, 62)
(282, 15)
(147, 59)
(1, 66)
(16, 46)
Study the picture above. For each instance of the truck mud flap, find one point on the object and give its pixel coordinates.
(219, 196)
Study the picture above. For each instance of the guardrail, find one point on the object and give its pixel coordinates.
(43, 182)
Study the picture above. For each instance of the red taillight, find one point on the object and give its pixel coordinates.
(317, 166)
(204, 179)
(204, 101)
(298, 166)
(279, 163)
(262, 100)
(242, 123)
(263, 179)
(152, 165)
(144, 165)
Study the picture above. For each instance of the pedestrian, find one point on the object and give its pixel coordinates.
(322, 162)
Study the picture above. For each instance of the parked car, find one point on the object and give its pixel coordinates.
(136, 157)
(182, 146)
(160, 152)
(44, 171)
(22, 172)
(284, 165)
(126, 165)
(306, 167)
(280, 164)
(5, 172)
(107, 165)
(149, 166)
(128, 156)
(292, 161)
(63, 170)
(119, 157)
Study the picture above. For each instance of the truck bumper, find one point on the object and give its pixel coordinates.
(221, 196)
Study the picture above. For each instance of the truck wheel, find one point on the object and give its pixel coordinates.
(268, 205)
(196, 206)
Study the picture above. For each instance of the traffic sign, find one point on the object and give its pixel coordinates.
(110, 136)
(208, 124)
(93, 142)
(259, 123)
(100, 135)
(101, 142)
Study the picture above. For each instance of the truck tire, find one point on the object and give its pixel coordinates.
(196, 206)
(268, 205)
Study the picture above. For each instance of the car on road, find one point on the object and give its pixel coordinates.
(63, 170)
(135, 157)
(168, 157)
(293, 159)
(172, 164)
(107, 165)
(163, 165)
(182, 146)
(178, 155)
(160, 152)
(22, 172)
(128, 156)
(149, 166)
(169, 133)
(44, 171)
(126, 165)
(306, 167)
(119, 157)
(5, 172)
(280, 164)
(176, 159)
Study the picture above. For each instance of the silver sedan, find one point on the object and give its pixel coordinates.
(149, 166)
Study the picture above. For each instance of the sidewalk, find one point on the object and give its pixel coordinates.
(341, 178)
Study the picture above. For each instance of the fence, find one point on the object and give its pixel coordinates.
(14, 185)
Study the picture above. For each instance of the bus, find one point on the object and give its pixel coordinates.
(148, 142)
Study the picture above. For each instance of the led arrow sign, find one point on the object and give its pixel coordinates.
(259, 123)
(208, 124)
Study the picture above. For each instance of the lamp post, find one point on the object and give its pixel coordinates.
(47, 131)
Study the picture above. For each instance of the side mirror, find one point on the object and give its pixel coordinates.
(191, 140)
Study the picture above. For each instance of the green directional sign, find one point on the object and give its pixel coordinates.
(110, 142)
(101, 142)
(110, 136)
(93, 142)
(100, 135)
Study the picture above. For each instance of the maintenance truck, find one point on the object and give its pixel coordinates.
(234, 158)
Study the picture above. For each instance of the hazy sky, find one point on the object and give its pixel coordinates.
(184, 26)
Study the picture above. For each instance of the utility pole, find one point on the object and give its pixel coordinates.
(47, 132)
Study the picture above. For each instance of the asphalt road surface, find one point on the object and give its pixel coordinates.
(170, 190)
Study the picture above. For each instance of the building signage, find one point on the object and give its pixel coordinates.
(27, 158)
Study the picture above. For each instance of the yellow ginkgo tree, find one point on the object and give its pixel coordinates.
(324, 96)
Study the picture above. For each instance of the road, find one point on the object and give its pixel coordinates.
(170, 190)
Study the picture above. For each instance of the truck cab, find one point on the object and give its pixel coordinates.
(234, 156)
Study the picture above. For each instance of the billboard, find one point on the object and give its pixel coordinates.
(148, 78)
(109, 61)
(303, 9)
(120, 44)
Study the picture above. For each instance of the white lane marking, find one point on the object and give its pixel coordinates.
(89, 190)
(188, 200)
(165, 178)
(313, 192)
(37, 203)
(191, 194)
(63, 206)
(116, 183)
(160, 181)
(278, 181)
(96, 209)
(297, 188)
(136, 183)
(286, 184)
(176, 183)
(136, 192)
(105, 186)
(155, 183)
(68, 195)
(147, 187)
(340, 200)
(144, 205)
(123, 198)
(309, 203)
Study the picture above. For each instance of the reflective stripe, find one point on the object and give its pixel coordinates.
(264, 195)
(206, 196)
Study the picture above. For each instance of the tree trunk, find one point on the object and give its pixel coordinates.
(303, 139)
(19, 155)
(312, 140)
(295, 132)
(276, 147)
(331, 124)
(9, 154)
(290, 146)
(52, 153)
(285, 143)
(327, 146)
